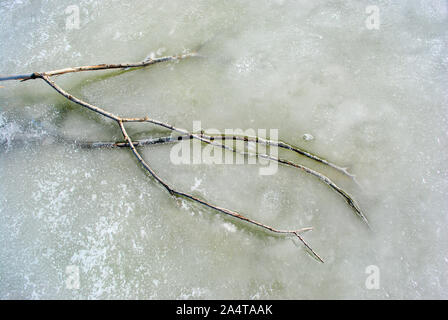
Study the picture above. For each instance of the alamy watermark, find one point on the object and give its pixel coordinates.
(373, 19)
(191, 151)
(373, 278)
(72, 277)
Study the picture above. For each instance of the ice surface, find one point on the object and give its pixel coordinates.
(376, 101)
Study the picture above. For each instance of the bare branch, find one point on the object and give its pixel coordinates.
(255, 139)
(208, 139)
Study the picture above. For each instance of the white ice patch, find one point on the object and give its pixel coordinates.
(8, 131)
(197, 183)
(245, 65)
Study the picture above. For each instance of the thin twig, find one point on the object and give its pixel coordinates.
(287, 146)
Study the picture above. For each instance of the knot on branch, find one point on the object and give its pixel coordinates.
(35, 75)
(32, 76)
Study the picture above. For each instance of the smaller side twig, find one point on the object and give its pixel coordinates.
(207, 139)
(232, 213)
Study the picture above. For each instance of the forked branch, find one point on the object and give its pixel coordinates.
(184, 134)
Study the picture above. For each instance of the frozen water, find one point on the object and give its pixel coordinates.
(375, 99)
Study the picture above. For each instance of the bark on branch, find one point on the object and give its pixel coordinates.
(184, 134)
